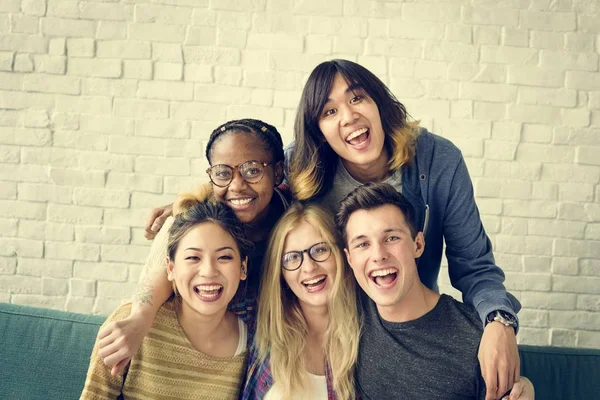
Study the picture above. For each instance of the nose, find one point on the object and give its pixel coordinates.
(308, 265)
(237, 183)
(348, 116)
(379, 253)
(208, 268)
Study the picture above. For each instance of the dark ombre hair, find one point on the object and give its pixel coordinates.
(191, 210)
(267, 134)
(314, 162)
(370, 196)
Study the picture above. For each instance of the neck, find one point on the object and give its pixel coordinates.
(376, 171)
(260, 228)
(317, 319)
(196, 325)
(416, 303)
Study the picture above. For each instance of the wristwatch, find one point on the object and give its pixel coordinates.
(503, 317)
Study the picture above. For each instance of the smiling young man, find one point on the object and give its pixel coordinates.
(415, 343)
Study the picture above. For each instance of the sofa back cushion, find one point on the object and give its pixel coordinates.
(562, 373)
(44, 354)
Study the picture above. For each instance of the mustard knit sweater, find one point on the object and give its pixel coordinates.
(165, 367)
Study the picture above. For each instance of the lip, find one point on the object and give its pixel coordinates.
(241, 207)
(208, 299)
(360, 146)
(319, 287)
(386, 286)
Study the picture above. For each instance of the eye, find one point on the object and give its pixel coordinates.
(356, 99)
(252, 171)
(223, 174)
(362, 245)
(329, 112)
(193, 258)
(291, 257)
(392, 238)
(320, 249)
(226, 257)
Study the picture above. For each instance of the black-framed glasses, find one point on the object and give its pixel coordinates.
(318, 252)
(251, 171)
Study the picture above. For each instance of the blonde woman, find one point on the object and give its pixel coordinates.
(307, 334)
(195, 348)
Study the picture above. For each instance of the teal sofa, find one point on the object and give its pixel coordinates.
(44, 355)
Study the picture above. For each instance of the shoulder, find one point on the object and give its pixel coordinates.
(436, 154)
(464, 314)
(435, 147)
(120, 313)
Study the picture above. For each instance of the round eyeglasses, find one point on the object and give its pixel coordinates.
(253, 171)
(317, 252)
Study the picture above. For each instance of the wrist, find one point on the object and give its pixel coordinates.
(504, 318)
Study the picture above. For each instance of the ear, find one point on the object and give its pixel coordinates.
(419, 244)
(278, 169)
(244, 269)
(170, 270)
(348, 257)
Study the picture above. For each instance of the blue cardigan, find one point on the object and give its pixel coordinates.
(438, 185)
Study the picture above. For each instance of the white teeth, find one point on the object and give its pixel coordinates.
(240, 202)
(313, 281)
(383, 272)
(356, 134)
(208, 288)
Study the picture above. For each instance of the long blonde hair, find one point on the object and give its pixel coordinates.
(282, 328)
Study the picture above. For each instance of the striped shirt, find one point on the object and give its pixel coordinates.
(167, 366)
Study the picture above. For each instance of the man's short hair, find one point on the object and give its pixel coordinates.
(370, 196)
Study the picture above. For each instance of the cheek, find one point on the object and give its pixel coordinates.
(288, 277)
(219, 193)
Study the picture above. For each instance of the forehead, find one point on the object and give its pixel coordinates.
(375, 221)
(207, 236)
(233, 148)
(301, 237)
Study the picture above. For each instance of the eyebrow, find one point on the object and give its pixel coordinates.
(219, 249)
(350, 89)
(362, 236)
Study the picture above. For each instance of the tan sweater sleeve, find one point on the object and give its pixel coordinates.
(157, 259)
(99, 383)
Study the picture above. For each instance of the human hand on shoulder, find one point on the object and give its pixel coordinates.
(499, 359)
(156, 220)
(119, 341)
(522, 390)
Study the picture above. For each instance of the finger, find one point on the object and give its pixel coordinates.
(108, 351)
(516, 391)
(116, 357)
(120, 366)
(491, 383)
(503, 373)
(153, 215)
(159, 221)
(106, 331)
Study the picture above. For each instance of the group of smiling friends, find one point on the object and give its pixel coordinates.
(250, 290)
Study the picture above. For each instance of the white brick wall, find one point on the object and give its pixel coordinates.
(105, 108)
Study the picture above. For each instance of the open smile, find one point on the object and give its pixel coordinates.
(384, 278)
(209, 292)
(241, 203)
(315, 284)
(359, 139)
